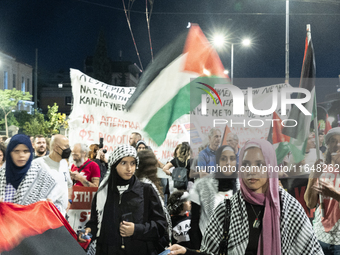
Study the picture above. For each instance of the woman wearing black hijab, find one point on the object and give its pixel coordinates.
(211, 190)
(126, 214)
(22, 181)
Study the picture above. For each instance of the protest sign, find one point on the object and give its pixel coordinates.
(248, 125)
(80, 210)
(99, 112)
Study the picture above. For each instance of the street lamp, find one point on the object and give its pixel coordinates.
(219, 42)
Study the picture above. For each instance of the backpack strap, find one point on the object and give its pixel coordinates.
(81, 169)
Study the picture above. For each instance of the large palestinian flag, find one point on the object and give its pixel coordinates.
(163, 91)
(36, 229)
(299, 134)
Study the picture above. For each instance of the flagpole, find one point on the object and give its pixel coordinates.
(316, 133)
(287, 43)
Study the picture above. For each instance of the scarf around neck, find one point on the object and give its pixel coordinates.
(270, 240)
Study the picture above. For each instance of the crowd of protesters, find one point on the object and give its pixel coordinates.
(136, 210)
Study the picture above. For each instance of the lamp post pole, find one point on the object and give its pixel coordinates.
(232, 64)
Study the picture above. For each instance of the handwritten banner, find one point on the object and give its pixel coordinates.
(99, 112)
(247, 126)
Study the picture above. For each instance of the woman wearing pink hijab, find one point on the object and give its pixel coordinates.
(264, 219)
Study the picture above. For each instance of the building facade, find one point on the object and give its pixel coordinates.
(14, 74)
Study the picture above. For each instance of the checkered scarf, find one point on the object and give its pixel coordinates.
(297, 235)
(120, 152)
(36, 185)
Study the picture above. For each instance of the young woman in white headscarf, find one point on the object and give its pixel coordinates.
(264, 219)
(126, 214)
(208, 192)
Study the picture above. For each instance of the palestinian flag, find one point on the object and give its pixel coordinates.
(36, 229)
(299, 134)
(163, 92)
(281, 142)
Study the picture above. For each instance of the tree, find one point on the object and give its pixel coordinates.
(36, 126)
(9, 100)
(49, 126)
(56, 120)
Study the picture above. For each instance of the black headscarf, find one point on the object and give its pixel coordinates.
(225, 183)
(15, 174)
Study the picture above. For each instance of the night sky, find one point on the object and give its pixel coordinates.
(66, 31)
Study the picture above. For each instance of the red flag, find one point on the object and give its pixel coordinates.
(226, 132)
(275, 133)
(328, 125)
(36, 229)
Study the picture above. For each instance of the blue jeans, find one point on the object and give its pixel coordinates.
(330, 249)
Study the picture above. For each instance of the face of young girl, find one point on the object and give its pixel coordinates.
(20, 155)
(228, 162)
(253, 176)
(126, 168)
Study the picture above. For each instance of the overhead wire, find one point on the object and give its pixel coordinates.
(336, 2)
(133, 38)
(148, 18)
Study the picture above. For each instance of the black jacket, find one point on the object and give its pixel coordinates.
(150, 222)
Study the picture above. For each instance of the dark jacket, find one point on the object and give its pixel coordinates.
(149, 220)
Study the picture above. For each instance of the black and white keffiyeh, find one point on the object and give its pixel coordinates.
(120, 152)
(297, 235)
(36, 185)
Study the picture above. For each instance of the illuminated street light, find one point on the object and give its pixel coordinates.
(218, 41)
(226, 71)
(246, 42)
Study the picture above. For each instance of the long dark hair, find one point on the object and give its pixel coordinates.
(147, 168)
(175, 205)
(3, 149)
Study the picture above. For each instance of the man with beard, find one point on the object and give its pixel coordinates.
(134, 138)
(56, 164)
(84, 171)
(39, 146)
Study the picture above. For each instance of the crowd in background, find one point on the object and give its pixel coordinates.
(187, 204)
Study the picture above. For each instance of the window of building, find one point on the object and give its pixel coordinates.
(28, 85)
(5, 80)
(68, 100)
(14, 81)
(23, 89)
